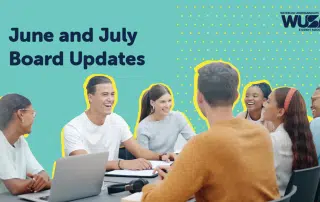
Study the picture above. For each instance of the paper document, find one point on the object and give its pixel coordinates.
(160, 163)
(136, 197)
(137, 173)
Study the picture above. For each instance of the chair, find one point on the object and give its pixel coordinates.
(317, 198)
(306, 181)
(287, 198)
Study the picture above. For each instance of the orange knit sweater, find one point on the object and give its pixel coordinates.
(233, 161)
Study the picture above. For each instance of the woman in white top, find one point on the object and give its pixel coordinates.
(20, 172)
(159, 127)
(256, 96)
(292, 140)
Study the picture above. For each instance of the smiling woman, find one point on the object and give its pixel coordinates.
(255, 97)
(159, 126)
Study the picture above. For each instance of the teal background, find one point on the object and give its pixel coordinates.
(174, 36)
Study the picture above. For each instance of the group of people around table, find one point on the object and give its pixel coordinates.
(249, 157)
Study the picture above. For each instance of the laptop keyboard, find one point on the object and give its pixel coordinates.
(45, 198)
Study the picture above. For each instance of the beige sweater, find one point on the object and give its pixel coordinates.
(233, 161)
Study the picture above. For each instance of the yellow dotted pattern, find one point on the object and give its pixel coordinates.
(253, 38)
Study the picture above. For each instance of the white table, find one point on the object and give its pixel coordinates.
(102, 197)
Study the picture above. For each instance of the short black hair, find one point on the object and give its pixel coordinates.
(91, 86)
(9, 104)
(218, 82)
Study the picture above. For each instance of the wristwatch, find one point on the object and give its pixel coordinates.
(160, 156)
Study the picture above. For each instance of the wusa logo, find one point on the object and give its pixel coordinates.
(306, 21)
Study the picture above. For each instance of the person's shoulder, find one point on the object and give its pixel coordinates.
(228, 129)
(2, 136)
(180, 116)
(115, 119)
(315, 122)
(143, 124)
(22, 142)
(2, 140)
(249, 124)
(212, 135)
(242, 114)
(76, 125)
(144, 127)
(176, 113)
(211, 140)
(280, 133)
(76, 121)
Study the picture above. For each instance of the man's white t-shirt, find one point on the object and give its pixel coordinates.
(17, 161)
(81, 134)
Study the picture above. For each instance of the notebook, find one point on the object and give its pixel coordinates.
(138, 173)
(132, 173)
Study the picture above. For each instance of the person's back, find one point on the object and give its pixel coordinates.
(240, 162)
(232, 161)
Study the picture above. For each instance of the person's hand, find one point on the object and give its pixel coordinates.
(162, 171)
(30, 185)
(40, 182)
(168, 157)
(136, 164)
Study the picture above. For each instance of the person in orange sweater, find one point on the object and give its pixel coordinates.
(232, 161)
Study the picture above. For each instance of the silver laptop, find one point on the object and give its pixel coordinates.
(75, 177)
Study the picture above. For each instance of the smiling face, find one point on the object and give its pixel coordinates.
(315, 104)
(162, 105)
(272, 112)
(26, 116)
(254, 99)
(103, 99)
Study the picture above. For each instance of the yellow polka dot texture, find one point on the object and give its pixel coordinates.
(253, 38)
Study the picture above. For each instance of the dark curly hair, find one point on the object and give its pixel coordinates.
(297, 126)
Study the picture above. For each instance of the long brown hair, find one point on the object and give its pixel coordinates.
(297, 126)
(155, 92)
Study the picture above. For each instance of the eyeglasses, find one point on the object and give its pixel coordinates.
(33, 114)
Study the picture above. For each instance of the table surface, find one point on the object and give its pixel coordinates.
(102, 197)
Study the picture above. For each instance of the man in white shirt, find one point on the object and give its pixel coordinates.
(16, 159)
(99, 129)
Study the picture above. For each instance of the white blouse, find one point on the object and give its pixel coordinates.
(283, 157)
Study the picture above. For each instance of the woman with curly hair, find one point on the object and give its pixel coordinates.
(292, 140)
(255, 97)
